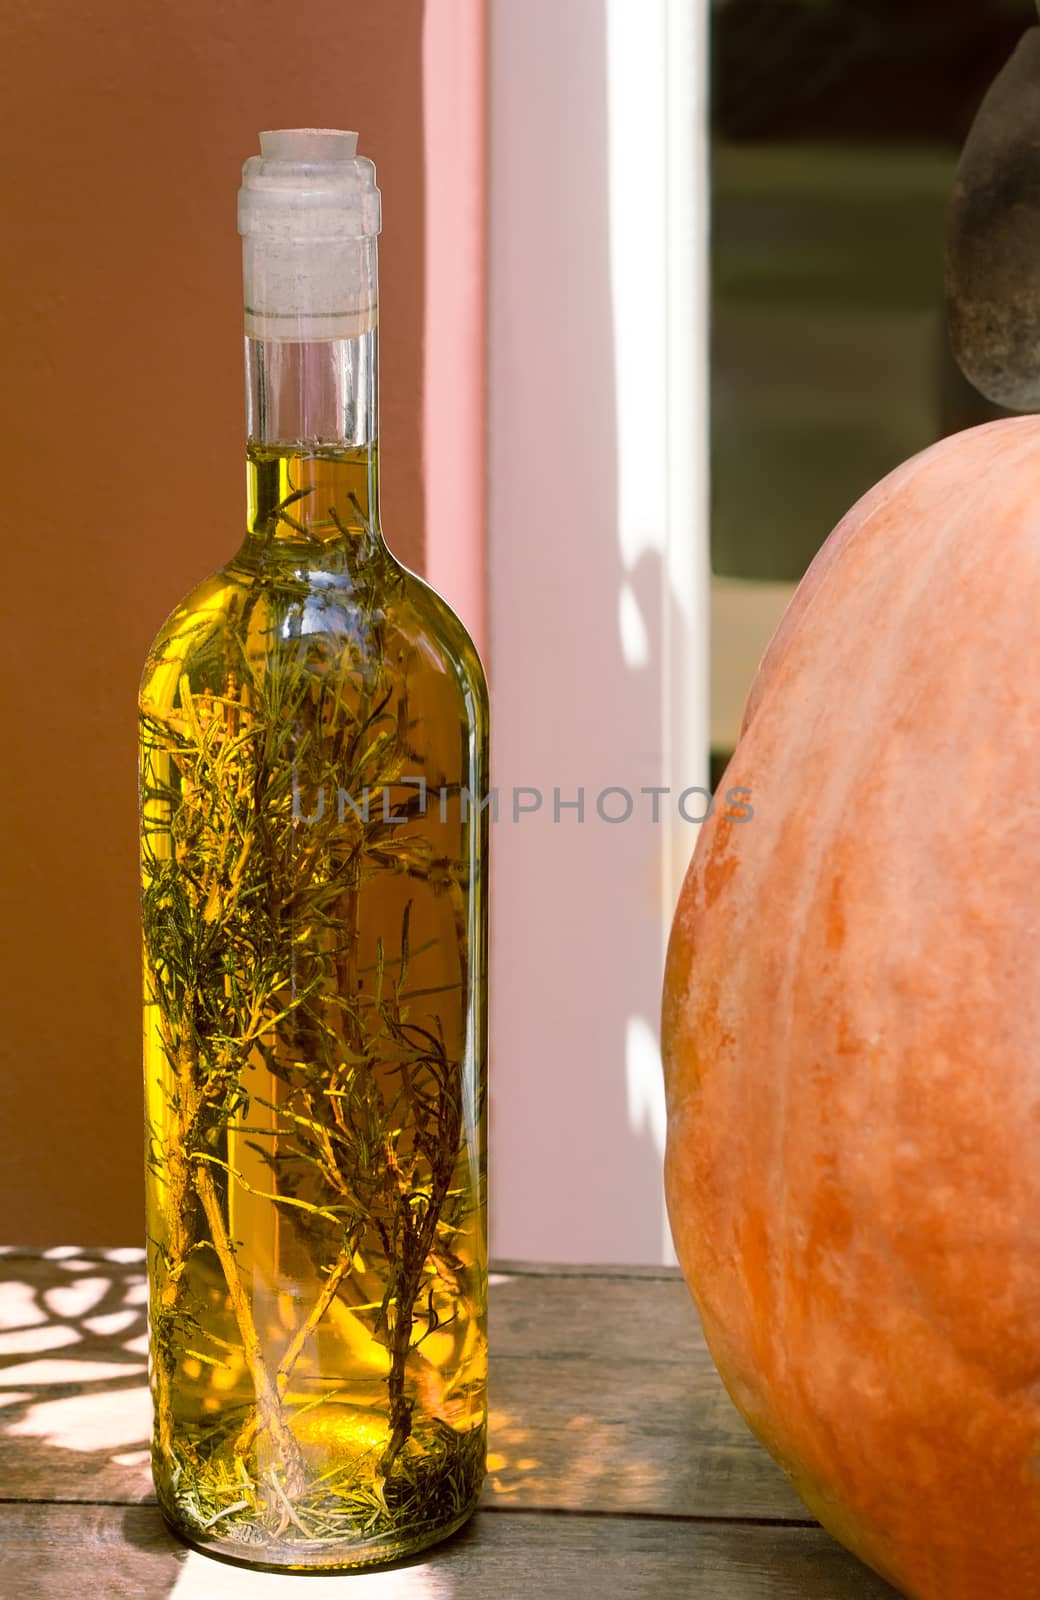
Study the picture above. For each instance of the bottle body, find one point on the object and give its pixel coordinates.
(314, 851)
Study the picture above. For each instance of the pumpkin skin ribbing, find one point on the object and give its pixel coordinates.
(851, 1032)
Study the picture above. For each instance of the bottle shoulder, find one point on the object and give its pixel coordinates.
(430, 608)
(283, 615)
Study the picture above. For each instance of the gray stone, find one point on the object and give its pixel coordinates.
(993, 239)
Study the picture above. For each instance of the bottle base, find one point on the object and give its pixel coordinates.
(341, 1555)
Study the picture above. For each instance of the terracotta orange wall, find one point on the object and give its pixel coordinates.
(122, 131)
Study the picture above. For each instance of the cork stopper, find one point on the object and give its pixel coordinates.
(309, 213)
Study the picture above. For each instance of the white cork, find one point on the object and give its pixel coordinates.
(308, 213)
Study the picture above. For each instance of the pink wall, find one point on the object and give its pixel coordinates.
(597, 579)
(455, 141)
(571, 898)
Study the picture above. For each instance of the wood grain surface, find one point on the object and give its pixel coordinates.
(617, 1465)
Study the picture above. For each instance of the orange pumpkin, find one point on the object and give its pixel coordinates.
(851, 1032)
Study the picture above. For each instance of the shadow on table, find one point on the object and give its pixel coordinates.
(75, 1427)
(74, 1407)
(75, 1415)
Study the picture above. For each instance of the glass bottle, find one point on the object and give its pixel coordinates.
(314, 858)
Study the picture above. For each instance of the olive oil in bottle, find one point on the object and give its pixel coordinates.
(314, 864)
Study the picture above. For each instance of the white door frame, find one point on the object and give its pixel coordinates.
(598, 597)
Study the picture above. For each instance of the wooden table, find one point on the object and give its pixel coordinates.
(617, 1468)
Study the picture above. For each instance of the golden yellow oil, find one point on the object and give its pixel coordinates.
(313, 762)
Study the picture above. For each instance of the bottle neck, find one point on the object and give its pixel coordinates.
(312, 454)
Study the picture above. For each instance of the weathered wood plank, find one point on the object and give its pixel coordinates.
(615, 1312)
(554, 1443)
(568, 1269)
(626, 1437)
(72, 1552)
(603, 1396)
(594, 1318)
